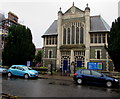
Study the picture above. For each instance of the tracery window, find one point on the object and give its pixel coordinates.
(64, 36)
(73, 34)
(77, 35)
(68, 41)
(81, 35)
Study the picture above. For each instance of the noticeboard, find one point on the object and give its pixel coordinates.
(28, 63)
(95, 65)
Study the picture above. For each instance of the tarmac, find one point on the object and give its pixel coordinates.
(63, 77)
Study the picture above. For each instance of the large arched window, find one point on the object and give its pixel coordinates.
(81, 35)
(77, 35)
(64, 36)
(68, 42)
(73, 34)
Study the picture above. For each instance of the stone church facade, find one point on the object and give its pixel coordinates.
(76, 38)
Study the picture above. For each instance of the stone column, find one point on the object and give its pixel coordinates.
(59, 38)
(87, 35)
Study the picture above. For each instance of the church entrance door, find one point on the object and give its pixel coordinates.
(79, 63)
(65, 65)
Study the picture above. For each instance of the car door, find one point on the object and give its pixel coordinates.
(13, 70)
(97, 77)
(20, 71)
(86, 75)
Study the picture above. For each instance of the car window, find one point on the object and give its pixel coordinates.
(95, 73)
(27, 68)
(20, 68)
(87, 72)
(13, 67)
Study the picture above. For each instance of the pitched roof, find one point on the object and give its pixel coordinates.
(97, 24)
(52, 30)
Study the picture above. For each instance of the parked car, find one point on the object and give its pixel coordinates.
(22, 70)
(3, 70)
(91, 76)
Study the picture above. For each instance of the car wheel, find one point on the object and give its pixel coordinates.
(79, 81)
(9, 74)
(26, 76)
(109, 84)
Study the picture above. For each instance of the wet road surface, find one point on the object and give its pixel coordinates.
(53, 88)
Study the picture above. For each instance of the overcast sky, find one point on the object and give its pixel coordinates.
(38, 15)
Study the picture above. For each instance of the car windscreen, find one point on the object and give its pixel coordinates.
(27, 68)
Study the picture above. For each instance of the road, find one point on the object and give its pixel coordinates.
(53, 88)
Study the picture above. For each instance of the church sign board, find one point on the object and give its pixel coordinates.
(95, 65)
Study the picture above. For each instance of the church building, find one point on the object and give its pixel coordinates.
(76, 38)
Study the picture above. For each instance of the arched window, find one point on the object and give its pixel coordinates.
(64, 36)
(68, 42)
(73, 34)
(81, 35)
(77, 35)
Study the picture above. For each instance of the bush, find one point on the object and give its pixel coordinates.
(42, 67)
(80, 68)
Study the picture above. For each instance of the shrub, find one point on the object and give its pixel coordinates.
(80, 68)
(42, 67)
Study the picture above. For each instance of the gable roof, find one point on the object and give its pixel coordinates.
(75, 10)
(97, 24)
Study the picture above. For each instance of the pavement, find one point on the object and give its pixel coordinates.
(56, 77)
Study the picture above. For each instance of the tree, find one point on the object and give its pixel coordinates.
(38, 57)
(114, 44)
(19, 47)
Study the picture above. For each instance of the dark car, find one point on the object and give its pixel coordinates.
(91, 76)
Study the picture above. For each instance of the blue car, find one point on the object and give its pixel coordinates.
(22, 70)
(91, 76)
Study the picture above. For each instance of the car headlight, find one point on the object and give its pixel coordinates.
(32, 72)
(116, 80)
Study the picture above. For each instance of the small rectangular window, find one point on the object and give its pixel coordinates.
(50, 54)
(99, 38)
(103, 36)
(95, 38)
(98, 54)
(91, 38)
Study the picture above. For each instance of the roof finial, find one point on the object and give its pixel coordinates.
(73, 3)
(60, 8)
(87, 4)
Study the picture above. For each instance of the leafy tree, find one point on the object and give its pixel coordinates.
(38, 57)
(19, 47)
(114, 44)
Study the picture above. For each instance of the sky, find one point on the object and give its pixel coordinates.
(38, 15)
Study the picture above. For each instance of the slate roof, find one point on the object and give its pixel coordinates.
(97, 24)
(52, 30)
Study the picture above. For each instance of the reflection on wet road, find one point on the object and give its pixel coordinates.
(54, 88)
